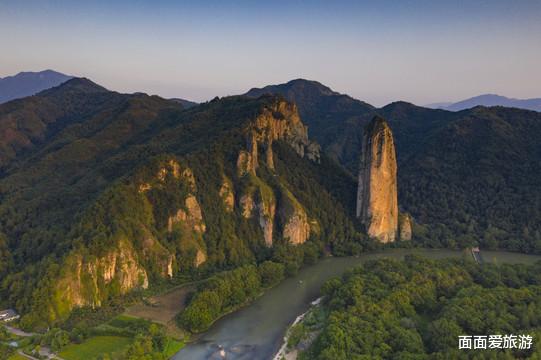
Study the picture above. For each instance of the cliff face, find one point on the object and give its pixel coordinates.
(89, 280)
(377, 202)
(404, 226)
(196, 202)
(135, 253)
(295, 223)
(279, 122)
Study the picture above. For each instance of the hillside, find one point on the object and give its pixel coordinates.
(335, 121)
(468, 177)
(114, 192)
(29, 83)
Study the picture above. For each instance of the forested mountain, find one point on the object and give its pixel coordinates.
(103, 193)
(336, 121)
(29, 83)
(467, 177)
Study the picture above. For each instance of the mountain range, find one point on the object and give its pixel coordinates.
(103, 193)
(29, 83)
(489, 100)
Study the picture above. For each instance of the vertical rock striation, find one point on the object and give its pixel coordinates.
(404, 226)
(377, 199)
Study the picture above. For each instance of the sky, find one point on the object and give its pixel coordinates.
(378, 51)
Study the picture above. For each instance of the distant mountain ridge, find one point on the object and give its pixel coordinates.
(489, 100)
(29, 83)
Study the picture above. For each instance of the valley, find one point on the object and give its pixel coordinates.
(256, 331)
(109, 198)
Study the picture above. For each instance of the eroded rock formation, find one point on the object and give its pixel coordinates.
(404, 227)
(377, 202)
(279, 122)
(85, 278)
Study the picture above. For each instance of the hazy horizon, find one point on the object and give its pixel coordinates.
(416, 51)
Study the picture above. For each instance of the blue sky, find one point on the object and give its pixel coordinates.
(378, 51)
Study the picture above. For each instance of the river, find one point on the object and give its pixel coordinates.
(256, 331)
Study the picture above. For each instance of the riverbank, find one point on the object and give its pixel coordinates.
(257, 331)
(289, 351)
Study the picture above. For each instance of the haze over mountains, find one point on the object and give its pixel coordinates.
(489, 100)
(29, 83)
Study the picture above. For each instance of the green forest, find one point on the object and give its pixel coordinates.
(418, 308)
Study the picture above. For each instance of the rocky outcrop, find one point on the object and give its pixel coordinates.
(377, 202)
(155, 253)
(281, 121)
(404, 227)
(295, 223)
(190, 220)
(227, 195)
(266, 212)
(89, 280)
(191, 216)
(247, 205)
(172, 168)
(259, 199)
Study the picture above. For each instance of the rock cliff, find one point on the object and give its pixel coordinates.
(296, 227)
(88, 280)
(377, 202)
(281, 121)
(404, 227)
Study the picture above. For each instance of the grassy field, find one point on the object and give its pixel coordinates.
(173, 347)
(163, 308)
(95, 346)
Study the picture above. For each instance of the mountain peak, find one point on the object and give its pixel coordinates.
(28, 83)
(82, 84)
(491, 100)
(295, 86)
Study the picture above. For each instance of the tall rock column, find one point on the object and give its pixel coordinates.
(377, 199)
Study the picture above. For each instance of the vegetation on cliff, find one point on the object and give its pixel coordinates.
(119, 192)
(469, 178)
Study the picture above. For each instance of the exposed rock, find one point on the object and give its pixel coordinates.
(377, 202)
(87, 281)
(191, 216)
(187, 175)
(156, 253)
(244, 163)
(278, 122)
(174, 168)
(200, 258)
(227, 195)
(296, 227)
(260, 197)
(144, 187)
(266, 220)
(405, 227)
(247, 205)
(190, 219)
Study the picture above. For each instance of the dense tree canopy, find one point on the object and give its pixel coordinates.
(417, 308)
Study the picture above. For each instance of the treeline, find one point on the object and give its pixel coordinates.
(227, 291)
(417, 308)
